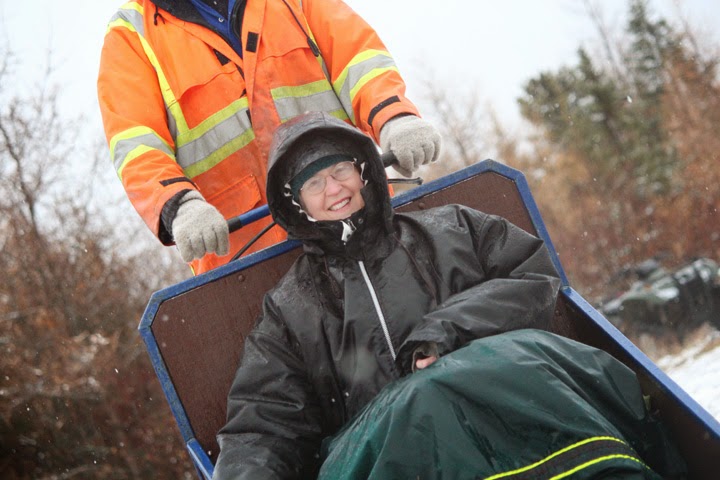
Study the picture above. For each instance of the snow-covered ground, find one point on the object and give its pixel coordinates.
(696, 369)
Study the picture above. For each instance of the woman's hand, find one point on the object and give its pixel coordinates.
(421, 363)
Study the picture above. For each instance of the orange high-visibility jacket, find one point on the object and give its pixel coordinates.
(182, 110)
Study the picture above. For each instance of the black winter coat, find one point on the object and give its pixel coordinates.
(346, 319)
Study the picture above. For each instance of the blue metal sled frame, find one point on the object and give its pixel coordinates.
(202, 460)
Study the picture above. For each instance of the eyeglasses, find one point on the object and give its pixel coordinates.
(315, 185)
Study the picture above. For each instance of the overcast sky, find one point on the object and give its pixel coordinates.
(492, 47)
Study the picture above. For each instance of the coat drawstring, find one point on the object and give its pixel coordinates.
(157, 14)
(313, 46)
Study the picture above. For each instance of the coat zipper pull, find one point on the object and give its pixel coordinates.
(348, 229)
(313, 46)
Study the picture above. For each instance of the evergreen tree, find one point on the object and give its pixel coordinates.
(612, 122)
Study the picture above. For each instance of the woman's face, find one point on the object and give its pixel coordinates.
(333, 193)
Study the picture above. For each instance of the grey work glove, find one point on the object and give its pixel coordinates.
(414, 142)
(199, 228)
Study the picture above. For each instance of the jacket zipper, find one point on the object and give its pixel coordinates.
(236, 26)
(383, 323)
(313, 46)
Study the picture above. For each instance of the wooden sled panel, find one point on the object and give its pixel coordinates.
(194, 330)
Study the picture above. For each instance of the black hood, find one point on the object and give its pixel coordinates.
(302, 141)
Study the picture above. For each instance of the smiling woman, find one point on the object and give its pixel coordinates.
(380, 305)
(333, 193)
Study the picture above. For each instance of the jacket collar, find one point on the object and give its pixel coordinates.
(187, 11)
(371, 238)
(182, 9)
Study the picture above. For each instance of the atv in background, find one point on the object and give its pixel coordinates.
(660, 300)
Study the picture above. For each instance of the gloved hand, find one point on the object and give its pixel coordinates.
(199, 228)
(414, 142)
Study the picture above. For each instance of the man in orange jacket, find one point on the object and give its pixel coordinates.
(191, 92)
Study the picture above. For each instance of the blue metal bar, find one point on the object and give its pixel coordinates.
(160, 368)
(236, 223)
(200, 458)
(665, 383)
(503, 170)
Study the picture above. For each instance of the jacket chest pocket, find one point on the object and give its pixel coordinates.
(213, 87)
(199, 76)
(282, 33)
(284, 54)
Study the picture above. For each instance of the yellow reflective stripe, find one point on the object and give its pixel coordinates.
(318, 96)
(344, 113)
(212, 121)
(301, 90)
(323, 66)
(132, 155)
(220, 154)
(123, 13)
(230, 128)
(558, 453)
(594, 462)
(367, 77)
(358, 59)
(359, 71)
(133, 142)
(340, 114)
(130, 16)
(319, 58)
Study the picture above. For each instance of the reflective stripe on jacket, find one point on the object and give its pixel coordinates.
(182, 110)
